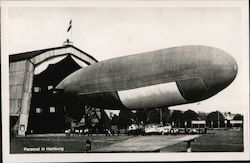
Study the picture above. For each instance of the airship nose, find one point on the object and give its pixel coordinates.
(222, 72)
(217, 70)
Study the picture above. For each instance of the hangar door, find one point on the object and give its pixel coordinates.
(47, 111)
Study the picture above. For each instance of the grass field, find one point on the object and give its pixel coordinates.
(214, 141)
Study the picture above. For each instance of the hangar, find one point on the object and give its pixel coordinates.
(35, 105)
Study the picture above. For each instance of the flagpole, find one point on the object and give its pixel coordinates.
(71, 31)
(69, 34)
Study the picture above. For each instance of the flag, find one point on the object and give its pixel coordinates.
(70, 25)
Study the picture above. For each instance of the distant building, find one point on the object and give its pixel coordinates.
(228, 116)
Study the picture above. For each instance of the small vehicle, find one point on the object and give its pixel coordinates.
(151, 129)
(174, 131)
(157, 129)
(68, 132)
(164, 129)
(135, 129)
(193, 131)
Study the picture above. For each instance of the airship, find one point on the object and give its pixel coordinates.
(155, 79)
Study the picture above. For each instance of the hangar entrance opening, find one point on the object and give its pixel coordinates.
(47, 111)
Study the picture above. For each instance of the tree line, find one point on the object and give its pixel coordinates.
(175, 117)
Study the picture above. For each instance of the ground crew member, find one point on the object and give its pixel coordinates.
(88, 145)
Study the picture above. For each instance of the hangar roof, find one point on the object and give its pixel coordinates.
(31, 54)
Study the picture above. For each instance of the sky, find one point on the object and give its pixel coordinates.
(105, 33)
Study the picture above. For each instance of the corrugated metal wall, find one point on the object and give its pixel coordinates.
(16, 79)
